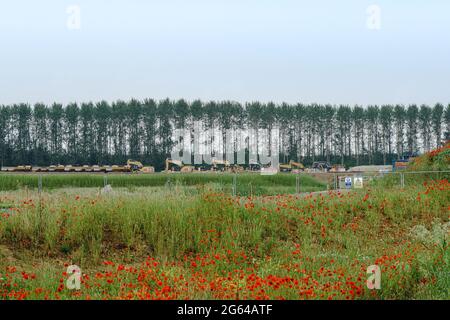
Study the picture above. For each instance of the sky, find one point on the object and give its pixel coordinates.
(322, 51)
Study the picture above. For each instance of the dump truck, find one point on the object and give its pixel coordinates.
(253, 166)
(137, 166)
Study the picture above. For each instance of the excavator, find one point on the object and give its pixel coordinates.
(221, 165)
(291, 166)
(253, 166)
(321, 166)
(216, 165)
(137, 166)
(177, 165)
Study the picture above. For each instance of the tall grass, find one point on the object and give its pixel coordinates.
(340, 232)
(246, 183)
(410, 179)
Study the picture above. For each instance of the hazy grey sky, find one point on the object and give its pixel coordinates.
(278, 50)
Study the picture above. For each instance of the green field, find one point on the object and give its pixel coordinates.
(247, 184)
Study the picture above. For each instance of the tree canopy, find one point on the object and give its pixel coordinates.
(104, 133)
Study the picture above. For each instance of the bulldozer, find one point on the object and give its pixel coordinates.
(291, 166)
(177, 165)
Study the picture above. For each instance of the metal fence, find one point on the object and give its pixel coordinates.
(396, 178)
(248, 184)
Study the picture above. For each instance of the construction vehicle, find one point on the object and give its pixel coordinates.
(214, 165)
(292, 166)
(220, 165)
(116, 168)
(26, 168)
(321, 166)
(131, 166)
(137, 166)
(178, 166)
(58, 168)
(254, 166)
(405, 160)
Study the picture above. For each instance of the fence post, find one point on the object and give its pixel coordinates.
(234, 187)
(402, 180)
(39, 184)
(40, 204)
(297, 183)
(105, 180)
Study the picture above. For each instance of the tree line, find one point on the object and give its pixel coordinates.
(111, 133)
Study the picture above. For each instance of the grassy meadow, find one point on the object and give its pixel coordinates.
(196, 241)
(247, 184)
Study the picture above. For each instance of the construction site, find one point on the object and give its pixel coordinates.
(171, 166)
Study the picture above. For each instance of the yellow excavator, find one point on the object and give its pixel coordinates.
(177, 165)
(137, 166)
(292, 165)
(225, 166)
